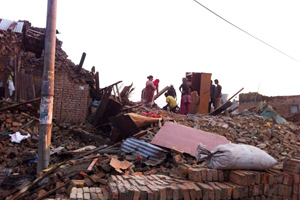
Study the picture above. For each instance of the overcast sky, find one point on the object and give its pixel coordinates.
(129, 40)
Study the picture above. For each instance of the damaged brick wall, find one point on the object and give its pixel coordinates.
(282, 104)
(71, 86)
(70, 99)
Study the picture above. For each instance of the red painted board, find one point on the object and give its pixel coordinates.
(186, 138)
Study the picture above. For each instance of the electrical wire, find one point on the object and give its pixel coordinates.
(246, 32)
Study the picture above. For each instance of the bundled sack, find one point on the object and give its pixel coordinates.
(235, 156)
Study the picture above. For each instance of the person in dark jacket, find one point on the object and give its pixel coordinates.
(171, 91)
(218, 94)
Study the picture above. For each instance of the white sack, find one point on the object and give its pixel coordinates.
(235, 156)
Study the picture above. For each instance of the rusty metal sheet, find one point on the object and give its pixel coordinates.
(187, 139)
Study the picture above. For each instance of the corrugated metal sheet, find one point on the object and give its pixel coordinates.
(19, 27)
(5, 23)
(153, 154)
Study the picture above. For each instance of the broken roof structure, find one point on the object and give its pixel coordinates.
(21, 57)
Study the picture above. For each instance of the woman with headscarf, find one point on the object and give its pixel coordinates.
(156, 82)
(185, 97)
(149, 90)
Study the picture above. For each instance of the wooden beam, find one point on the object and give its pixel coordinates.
(16, 105)
(97, 82)
(12, 26)
(235, 94)
(40, 178)
(115, 96)
(102, 106)
(161, 92)
(119, 94)
(51, 191)
(111, 85)
(78, 69)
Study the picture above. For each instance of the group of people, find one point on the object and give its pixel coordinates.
(185, 89)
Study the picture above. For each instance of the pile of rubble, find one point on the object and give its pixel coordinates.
(279, 140)
(86, 164)
(114, 155)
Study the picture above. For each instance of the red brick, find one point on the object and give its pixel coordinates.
(238, 178)
(184, 191)
(217, 190)
(236, 190)
(207, 191)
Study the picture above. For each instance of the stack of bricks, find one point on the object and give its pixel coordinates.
(292, 167)
(270, 184)
(204, 183)
(78, 193)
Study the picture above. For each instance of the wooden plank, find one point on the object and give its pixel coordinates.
(204, 93)
(12, 26)
(161, 92)
(97, 82)
(16, 105)
(79, 67)
(221, 108)
(118, 93)
(115, 96)
(102, 106)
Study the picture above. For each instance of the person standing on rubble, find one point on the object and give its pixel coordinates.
(212, 95)
(149, 90)
(218, 94)
(171, 91)
(185, 103)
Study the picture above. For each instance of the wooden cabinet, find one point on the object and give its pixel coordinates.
(201, 92)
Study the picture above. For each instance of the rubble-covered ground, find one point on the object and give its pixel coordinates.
(18, 161)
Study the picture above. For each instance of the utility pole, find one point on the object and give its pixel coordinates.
(46, 106)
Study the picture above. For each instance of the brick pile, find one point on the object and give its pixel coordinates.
(204, 183)
(89, 193)
(281, 141)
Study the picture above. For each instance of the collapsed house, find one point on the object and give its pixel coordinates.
(21, 58)
(127, 151)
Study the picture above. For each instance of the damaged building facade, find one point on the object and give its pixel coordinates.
(21, 60)
(283, 105)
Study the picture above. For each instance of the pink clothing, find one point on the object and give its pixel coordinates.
(185, 104)
(149, 91)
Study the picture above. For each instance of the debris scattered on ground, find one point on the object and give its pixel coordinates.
(125, 150)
